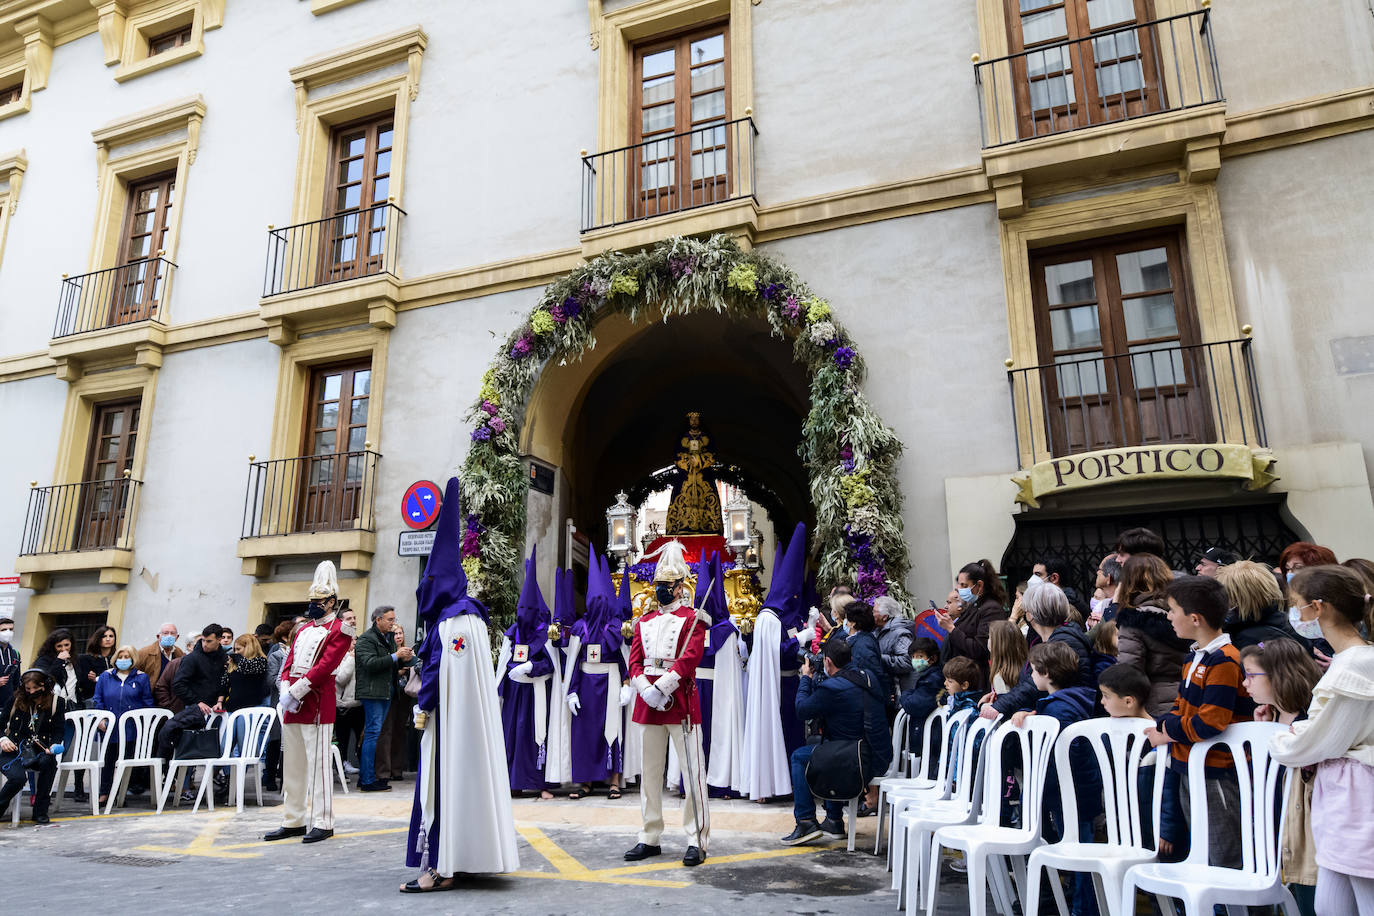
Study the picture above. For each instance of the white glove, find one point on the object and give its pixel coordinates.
(299, 689)
(627, 693)
(804, 637)
(289, 703)
(521, 673)
(743, 649)
(419, 717)
(654, 697)
(574, 703)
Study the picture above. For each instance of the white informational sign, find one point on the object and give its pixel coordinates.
(416, 543)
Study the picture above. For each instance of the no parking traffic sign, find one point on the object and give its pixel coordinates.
(420, 505)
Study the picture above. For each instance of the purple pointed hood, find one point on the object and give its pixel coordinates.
(443, 592)
(602, 602)
(531, 612)
(626, 603)
(715, 602)
(789, 576)
(703, 571)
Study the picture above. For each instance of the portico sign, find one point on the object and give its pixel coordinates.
(1146, 462)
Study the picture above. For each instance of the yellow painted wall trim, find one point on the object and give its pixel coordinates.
(82, 395)
(262, 594)
(487, 279)
(12, 168)
(1298, 122)
(65, 25)
(364, 57)
(320, 7)
(211, 332)
(45, 612)
(36, 570)
(25, 365)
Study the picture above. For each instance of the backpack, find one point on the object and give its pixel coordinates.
(840, 770)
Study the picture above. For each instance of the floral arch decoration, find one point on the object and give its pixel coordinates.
(848, 451)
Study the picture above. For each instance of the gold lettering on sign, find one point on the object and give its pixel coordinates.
(1141, 463)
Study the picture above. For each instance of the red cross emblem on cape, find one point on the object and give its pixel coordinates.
(459, 644)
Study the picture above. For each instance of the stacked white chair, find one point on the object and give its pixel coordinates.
(1257, 882)
(913, 825)
(256, 724)
(137, 752)
(1123, 755)
(190, 763)
(936, 741)
(985, 843)
(86, 753)
(339, 770)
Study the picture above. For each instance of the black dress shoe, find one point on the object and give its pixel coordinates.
(282, 833)
(805, 832)
(41, 818)
(374, 787)
(643, 851)
(316, 835)
(693, 856)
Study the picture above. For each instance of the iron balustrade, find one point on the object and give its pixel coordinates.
(1200, 393)
(311, 493)
(90, 515)
(1112, 75)
(346, 246)
(669, 174)
(113, 296)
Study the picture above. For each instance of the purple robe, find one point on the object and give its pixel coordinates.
(525, 749)
(592, 759)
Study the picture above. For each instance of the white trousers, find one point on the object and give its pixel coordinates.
(696, 816)
(307, 781)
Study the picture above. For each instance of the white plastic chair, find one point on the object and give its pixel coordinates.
(257, 728)
(913, 825)
(1123, 754)
(918, 781)
(986, 840)
(339, 770)
(1257, 882)
(140, 752)
(191, 763)
(86, 753)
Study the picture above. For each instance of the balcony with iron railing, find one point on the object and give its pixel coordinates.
(84, 526)
(117, 311)
(345, 265)
(1154, 395)
(307, 506)
(687, 172)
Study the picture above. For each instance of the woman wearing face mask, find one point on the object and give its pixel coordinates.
(984, 599)
(57, 656)
(1337, 737)
(121, 689)
(31, 741)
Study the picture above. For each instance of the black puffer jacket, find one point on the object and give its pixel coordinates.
(1024, 695)
(1273, 624)
(1146, 641)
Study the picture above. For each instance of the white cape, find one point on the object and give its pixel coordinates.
(471, 786)
(766, 771)
(726, 754)
(633, 752)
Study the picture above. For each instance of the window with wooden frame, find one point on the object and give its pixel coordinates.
(357, 218)
(9, 94)
(335, 460)
(1086, 62)
(176, 38)
(1118, 341)
(139, 278)
(679, 110)
(105, 490)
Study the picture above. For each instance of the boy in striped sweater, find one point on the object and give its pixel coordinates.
(1211, 696)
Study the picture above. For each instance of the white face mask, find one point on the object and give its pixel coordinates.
(1307, 629)
(6, 636)
(1033, 581)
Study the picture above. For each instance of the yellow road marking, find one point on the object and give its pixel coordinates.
(204, 844)
(550, 850)
(592, 877)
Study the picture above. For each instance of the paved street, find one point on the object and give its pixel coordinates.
(570, 856)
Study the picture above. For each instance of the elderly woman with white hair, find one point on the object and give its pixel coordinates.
(895, 633)
(1047, 612)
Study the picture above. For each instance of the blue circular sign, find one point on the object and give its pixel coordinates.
(420, 505)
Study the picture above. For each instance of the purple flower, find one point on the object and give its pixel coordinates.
(472, 545)
(489, 408)
(498, 425)
(522, 348)
(682, 265)
(481, 434)
(791, 309)
(772, 290)
(558, 314)
(844, 357)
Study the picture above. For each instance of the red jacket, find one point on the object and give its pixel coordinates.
(691, 645)
(318, 706)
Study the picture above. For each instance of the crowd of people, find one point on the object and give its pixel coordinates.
(1187, 652)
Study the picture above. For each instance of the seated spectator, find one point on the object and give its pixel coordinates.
(120, 690)
(894, 633)
(153, 657)
(97, 659)
(197, 685)
(984, 601)
(31, 741)
(1145, 639)
(863, 645)
(924, 696)
(1257, 613)
(849, 708)
(1047, 609)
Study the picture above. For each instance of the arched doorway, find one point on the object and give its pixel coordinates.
(614, 355)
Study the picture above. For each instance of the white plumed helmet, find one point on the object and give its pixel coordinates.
(672, 563)
(326, 584)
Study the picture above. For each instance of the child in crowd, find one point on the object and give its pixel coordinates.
(1054, 666)
(924, 696)
(1337, 736)
(1125, 693)
(1280, 675)
(963, 679)
(1007, 655)
(1211, 696)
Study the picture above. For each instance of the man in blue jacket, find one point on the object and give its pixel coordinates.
(849, 707)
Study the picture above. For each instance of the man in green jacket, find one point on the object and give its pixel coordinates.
(378, 656)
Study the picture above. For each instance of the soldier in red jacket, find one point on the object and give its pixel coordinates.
(668, 644)
(307, 708)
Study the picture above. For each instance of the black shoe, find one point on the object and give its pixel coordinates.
(269, 785)
(316, 835)
(41, 818)
(865, 811)
(805, 832)
(833, 827)
(81, 796)
(138, 790)
(643, 851)
(693, 856)
(282, 833)
(373, 787)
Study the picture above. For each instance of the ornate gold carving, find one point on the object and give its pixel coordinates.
(696, 507)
